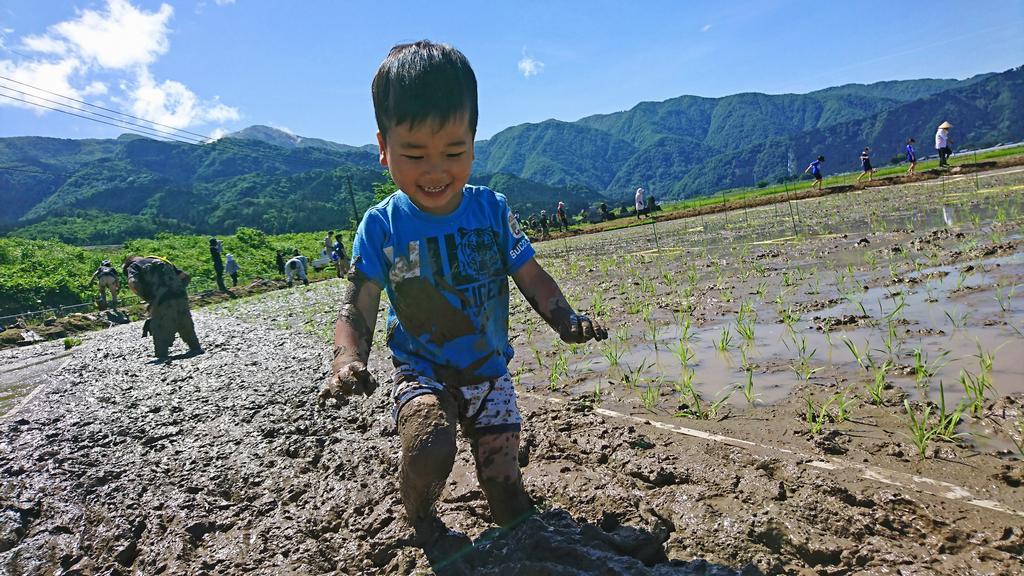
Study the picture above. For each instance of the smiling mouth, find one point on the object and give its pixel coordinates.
(434, 189)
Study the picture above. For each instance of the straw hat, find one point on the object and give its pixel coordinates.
(945, 126)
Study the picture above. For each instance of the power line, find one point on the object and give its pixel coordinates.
(153, 131)
(201, 136)
(62, 111)
(232, 144)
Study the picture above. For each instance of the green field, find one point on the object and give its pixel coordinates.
(37, 274)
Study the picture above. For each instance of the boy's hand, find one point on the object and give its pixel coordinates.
(579, 328)
(349, 377)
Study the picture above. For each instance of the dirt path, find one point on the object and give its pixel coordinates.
(223, 464)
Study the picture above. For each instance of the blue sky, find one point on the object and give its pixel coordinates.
(214, 66)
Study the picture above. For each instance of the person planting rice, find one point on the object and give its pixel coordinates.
(443, 251)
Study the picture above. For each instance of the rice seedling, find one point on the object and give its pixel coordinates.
(613, 352)
(948, 421)
(974, 390)
(1004, 298)
(762, 288)
(817, 415)
(652, 331)
(957, 319)
(559, 368)
(748, 388)
(725, 339)
(892, 342)
(685, 325)
(876, 389)
(962, 278)
(650, 395)
(683, 353)
(685, 383)
(597, 304)
(863, 357)
(622, 334)
(745, 328)
(921, 432)
(843, 402)
(924, 368)
(633, 376)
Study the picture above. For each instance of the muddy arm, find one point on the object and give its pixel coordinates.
(543, 293)
(353, 336)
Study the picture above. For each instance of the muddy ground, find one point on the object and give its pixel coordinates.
(222, 463)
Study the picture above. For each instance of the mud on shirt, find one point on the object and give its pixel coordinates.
(447, 280)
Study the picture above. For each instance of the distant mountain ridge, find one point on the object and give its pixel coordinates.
(102, 191)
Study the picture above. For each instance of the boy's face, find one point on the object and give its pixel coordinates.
(430, 163)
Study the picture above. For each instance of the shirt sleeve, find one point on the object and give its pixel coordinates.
(367, 248)
(515, 243)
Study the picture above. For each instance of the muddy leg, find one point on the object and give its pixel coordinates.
(162, 327)
(497, 469)
(426, 426)
(184, 324)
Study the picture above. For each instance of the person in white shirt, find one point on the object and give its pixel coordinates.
(942, 143)
(295, 267)
(641, 206)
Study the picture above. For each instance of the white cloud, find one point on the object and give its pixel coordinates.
(44, 44)
(171, 103)
(528, 66)
(705, 28)
(119, 38)
(119, 41)
(95, 88)
(51, 76)
(217, 134)
(224, 2)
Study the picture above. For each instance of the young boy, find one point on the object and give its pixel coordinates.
(865, 165)
(443, 251)
(911, 157)
(815, 169)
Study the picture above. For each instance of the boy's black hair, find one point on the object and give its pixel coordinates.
(821, 158)
(424, 81)
(911, 141)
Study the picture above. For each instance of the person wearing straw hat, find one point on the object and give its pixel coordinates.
(942, 143)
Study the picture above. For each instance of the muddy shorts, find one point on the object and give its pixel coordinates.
(485, 408)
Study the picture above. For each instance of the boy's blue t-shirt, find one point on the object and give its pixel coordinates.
(447, 280)
(816, 167)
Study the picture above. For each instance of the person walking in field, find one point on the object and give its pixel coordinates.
(911, 156)
(448, 317)
(943, 143)
(279, 262)
(339, 257)
(162, 285)
(231, 268)
(563, 220)
(639, 203)
(865, 165)
(815, 170)
(216, 248)
(106, 275)
(545, 225)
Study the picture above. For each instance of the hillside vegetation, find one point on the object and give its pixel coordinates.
(88, 192)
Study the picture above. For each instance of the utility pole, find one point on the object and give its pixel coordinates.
(352, 197)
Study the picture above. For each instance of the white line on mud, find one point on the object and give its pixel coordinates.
(35, 390)
(891, 477)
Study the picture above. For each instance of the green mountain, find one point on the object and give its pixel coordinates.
(106, 191)
(89, 192)
(690, 146)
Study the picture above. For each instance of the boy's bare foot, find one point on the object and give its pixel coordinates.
(443, 547)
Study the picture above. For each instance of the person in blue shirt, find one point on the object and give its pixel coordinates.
(815, 169)
(911, 157)
(443, 252)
